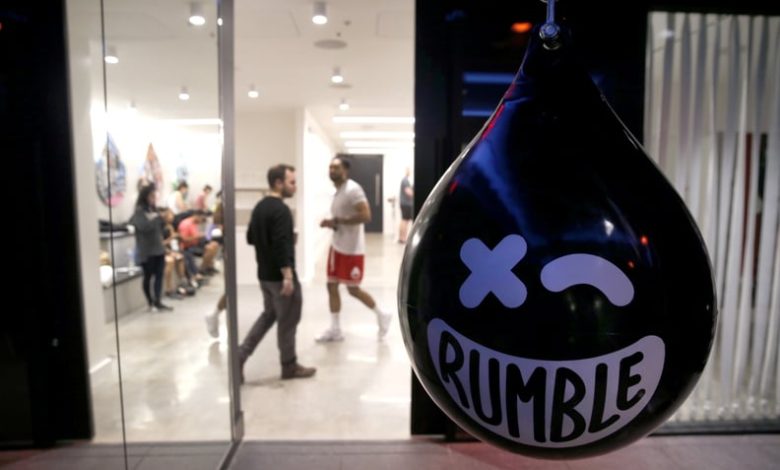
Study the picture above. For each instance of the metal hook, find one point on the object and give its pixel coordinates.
(550, 32)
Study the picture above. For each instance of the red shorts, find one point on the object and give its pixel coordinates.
(346, 269)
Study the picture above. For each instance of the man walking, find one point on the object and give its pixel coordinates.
(350, 212)
(271, 233)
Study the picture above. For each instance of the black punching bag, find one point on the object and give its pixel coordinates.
(556, 297)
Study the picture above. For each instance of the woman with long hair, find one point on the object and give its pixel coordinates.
(149, 245)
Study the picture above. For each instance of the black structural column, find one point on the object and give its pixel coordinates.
(44, 382)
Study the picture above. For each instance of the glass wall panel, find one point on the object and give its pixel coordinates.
(163, 143)
(102, 265)
(713, 125)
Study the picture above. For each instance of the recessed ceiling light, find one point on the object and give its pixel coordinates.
(196, 14)
(336, 77)
(373, 120)
(344, 106)
(253, 93)
(184, 95)
(376, 135)
(111, 57)
(320, 15)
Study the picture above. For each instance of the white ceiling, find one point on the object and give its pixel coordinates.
(274, 49)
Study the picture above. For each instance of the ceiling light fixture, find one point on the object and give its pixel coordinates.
(184, 95)
(111, 57)
(320, 15)
(376, 135)
(253, 93)
(196, 14)
(219, 21)
(373, 120)
(344, 106)
(336, 77)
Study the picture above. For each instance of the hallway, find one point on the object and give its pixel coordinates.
(175, 375)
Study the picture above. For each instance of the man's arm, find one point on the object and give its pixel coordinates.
(282, 241)
(362, 215)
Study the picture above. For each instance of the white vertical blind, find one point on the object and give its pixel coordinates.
(713, 126)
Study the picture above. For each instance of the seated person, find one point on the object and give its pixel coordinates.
(174, 260)
(194, 243)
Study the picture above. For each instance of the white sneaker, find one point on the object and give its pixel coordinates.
(212, 325)
(330, 336)
(384, 320)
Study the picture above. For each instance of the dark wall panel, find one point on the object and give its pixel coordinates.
(43, 364)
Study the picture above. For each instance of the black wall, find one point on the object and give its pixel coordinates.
(456, 36)
(44, 385)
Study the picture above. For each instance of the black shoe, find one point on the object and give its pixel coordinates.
(162, 307)
(297, 371)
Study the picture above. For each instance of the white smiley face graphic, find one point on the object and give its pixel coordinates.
(543, 403)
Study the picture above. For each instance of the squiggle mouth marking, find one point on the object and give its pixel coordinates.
(543, 403)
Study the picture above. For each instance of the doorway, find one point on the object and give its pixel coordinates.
(367, 170)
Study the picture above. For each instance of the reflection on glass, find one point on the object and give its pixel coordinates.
(164, 148)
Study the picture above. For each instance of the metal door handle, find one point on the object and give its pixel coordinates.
(377, 197)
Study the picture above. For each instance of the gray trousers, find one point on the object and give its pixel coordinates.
(284, 310)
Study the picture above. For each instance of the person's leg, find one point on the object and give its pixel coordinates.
(289, 315)
(180, 268)
(361, 295)
(209, 253)
(333, 333)
(404, 230)
(334, 298)
(212, 319)
(146, 283)
(189, 261)
(159, 269)
(259, 328)
(169, 266)
(355, 265)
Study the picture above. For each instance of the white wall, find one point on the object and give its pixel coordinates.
(296, 138)
(263, 139)
(198, 148)
(86, 87)
(315, 192)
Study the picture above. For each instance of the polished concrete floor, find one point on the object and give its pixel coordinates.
(175, 375)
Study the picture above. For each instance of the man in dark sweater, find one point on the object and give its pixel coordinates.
(271, 233)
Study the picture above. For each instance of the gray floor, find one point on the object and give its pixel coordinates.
(175, 386)
(175, 375)
(756, 452)
(738, 452)
(192, 456)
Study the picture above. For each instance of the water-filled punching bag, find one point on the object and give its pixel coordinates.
(555, 295)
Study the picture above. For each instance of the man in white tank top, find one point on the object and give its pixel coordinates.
(350, 212)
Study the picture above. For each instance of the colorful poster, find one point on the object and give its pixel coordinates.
(152, 171)
(110, 175)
